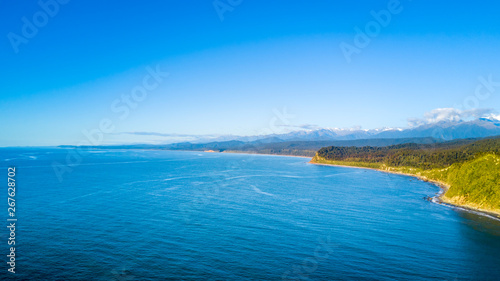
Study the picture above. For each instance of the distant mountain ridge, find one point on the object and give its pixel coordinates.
(298, 148)
(306, 143)
(445, 130)
(480, 128)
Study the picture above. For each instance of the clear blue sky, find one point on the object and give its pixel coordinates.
(230, 76)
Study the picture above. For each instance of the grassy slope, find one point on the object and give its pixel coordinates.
(474, 184)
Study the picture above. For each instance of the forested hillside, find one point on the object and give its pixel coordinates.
(424, 156)
(469, 168)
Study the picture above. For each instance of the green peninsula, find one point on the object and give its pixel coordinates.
(468, 170)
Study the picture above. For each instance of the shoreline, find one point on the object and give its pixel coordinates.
(438, 198)
(227, 152)
(267, 154)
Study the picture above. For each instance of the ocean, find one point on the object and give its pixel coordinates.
(170, 215)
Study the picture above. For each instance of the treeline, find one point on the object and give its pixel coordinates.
(424, 156)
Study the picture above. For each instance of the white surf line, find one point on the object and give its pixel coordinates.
(437, 200)
(270, 175)
(161, 193)
(339, 174)
(256, 189)
(109, 163)
(78, 197)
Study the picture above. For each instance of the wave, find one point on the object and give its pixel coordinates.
(256, 189)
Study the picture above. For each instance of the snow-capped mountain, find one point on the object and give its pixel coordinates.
(446, 130)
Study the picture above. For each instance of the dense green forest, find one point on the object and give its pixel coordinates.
(470, 169)
(424, 156)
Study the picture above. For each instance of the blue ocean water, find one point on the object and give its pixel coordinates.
(164, 215)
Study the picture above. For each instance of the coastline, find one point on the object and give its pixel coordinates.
(440, 196)
(267, 154)
(231, 152)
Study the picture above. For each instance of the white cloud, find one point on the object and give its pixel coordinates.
(492, 116)
(450, 115)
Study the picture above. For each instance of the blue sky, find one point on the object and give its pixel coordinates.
(231, 71)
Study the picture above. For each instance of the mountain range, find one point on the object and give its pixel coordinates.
(444, 130)
(306, 143)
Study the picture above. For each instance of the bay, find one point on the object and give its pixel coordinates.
(169, 215)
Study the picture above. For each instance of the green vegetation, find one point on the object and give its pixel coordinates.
(476, 183)
(469, 169)
(424, 156)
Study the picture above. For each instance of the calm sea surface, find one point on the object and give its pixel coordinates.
(162, 215)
